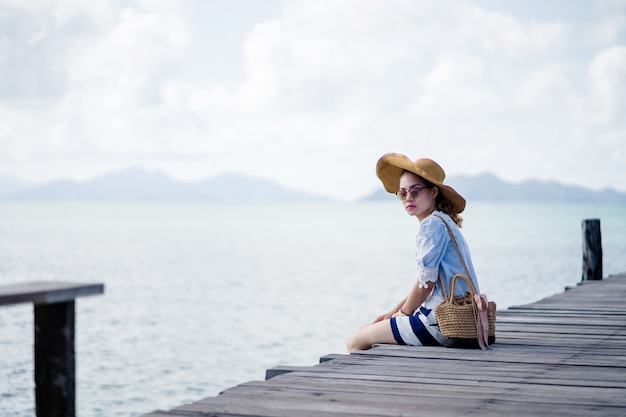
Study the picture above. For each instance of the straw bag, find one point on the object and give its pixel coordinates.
(468, 321)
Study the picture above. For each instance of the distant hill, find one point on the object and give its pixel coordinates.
(490, 188)
(144, 185)
(137, 184)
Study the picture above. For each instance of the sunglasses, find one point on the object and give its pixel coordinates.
(413, 192)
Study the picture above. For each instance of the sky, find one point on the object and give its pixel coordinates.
(310, 93)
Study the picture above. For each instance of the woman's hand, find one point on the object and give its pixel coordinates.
(398, 313)
(382, 317)
(391, 313)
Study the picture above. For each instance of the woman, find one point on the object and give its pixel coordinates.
(419, 186)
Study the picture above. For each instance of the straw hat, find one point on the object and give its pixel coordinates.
(390, 167)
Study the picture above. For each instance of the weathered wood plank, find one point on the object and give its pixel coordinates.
(567, 376)
(495, 365)
(520, 356)
(46, 292)
(438, 390)
(388, 404)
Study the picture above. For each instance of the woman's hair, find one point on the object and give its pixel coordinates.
(442, 203)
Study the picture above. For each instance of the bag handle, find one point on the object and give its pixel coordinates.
(456, 246)
(467, 280)
(458, 251)
(479, 304)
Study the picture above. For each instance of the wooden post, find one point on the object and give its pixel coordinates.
(592, 250)
(55, 360)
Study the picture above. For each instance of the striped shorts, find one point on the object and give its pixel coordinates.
(420, 329)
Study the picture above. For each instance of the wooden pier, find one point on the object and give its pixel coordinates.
(561, 356)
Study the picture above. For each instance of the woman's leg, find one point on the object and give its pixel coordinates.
(370, 334)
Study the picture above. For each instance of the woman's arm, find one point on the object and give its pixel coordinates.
(410, 303)
(391, 312)
(415, 298)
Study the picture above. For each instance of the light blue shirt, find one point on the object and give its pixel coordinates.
(435, 252)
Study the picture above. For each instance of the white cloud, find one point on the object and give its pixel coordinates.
(477, 89)
(608, 24)
(125, 64)
(607, 89)
(456, 84)
(499, 33)
(112, 78)
(548, 95)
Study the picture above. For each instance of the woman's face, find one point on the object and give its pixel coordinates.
(424, 203)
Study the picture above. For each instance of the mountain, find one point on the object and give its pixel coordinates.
(491, 188)
(144, 185)
(137, 184)
(233, 187)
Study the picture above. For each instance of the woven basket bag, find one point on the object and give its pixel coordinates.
(457, 317)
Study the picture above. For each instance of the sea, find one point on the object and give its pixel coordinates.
(200, 297)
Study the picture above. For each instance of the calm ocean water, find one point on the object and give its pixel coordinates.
(201, 297)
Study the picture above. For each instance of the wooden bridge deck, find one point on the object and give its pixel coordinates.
(561, 356)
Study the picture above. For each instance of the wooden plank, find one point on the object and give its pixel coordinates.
(566, 381)
(46, 292)
(504, 365)
(521, 356)
(519, 360)
(475, 370)
(613, 315)
(576, 395)
(324, 401)
(558, 342)
(591, 321)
